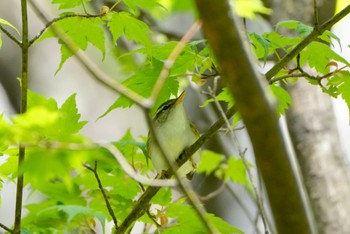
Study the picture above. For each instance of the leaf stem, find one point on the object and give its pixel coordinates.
(5, 228)
(7, 33)
(24, 93)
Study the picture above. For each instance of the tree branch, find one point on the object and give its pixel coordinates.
(24, 100)
(224, 35)
(7, 33)
(312, 36)
(5, 228)
(109, 207)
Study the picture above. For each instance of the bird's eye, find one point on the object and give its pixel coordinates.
(165, 107)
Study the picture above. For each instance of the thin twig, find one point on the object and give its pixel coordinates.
(7, 33)
(296, 75)
(109, 207)
(240, 152)
(24, 101)
(214, 193)
(6, 228)
(172, 58)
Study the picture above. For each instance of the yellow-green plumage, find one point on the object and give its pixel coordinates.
(175, 132)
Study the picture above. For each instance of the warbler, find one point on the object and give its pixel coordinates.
(174, 132)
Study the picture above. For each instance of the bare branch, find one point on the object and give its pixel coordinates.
(109, 207)
(6, 228)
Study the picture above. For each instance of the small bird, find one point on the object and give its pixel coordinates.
(175, 132)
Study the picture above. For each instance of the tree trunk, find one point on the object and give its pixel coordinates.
(313, 130)
(238, 69)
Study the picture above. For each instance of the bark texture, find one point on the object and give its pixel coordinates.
(312, 126)
(238, 69)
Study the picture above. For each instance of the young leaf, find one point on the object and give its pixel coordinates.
(317, 60)
(283, 98)
(210, 162)
(344, 90)
(122, 23)
(68, 123)
(237, 172)
(188, 221)
(222, 225)
(5, 22)
(225, 96)
(133, 4)
(303, 29)
(67, 4)
(249, 8)
(81, 31)
(163, 197)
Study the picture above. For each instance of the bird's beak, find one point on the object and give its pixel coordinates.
(180, 98)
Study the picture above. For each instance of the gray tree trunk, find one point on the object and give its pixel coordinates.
(312, 127)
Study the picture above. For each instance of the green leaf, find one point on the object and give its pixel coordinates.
(283, 98)
(311, 55)
(9, 167)
(122, 23)
(67, 4)
(38, 100)
(249, 8)
(42, 166)
(143, 82)
(69, 122)
(163, 197)
(224, 96)
(268, 43)
(237, 172)
(264, 43)
(36, 117)
(222, 225)
(81, 31)
(66, 126)
(210, 162)
(344, 90)
(328, 37)
(188, 60)
(5, 22)
(303, 29)
(188, 221)
(73, 210)
(147, 4)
